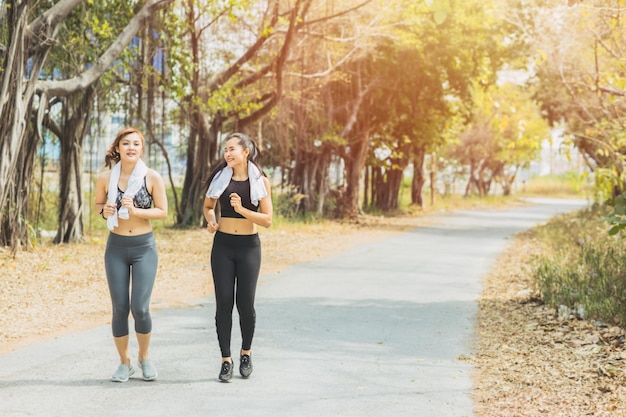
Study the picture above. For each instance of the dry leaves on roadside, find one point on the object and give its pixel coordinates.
(531, 362)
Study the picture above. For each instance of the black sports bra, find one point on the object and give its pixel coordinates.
(243, 189)
(143, 199)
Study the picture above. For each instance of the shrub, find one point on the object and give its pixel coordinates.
(288, 203)
(580, 266)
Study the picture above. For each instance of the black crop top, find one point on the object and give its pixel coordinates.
(143, 199)
(243, 189)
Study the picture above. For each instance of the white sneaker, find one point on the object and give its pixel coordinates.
(123, 373)
(148, 369)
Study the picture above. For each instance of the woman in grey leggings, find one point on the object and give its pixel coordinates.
(128, 197)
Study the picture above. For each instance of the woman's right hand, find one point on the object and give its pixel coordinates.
(108, 210)
(212, 227)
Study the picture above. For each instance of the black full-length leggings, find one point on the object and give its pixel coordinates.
(236, 262)
(127, 256)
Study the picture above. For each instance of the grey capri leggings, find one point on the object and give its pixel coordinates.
(127, 256)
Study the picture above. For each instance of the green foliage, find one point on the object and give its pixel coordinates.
(440, 9)
(4, 27)
(85, 34)
(289, 205)
(579, 266)
(507, 127)
(617, 217)
(288, 202)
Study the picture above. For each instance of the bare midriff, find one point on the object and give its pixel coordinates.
(237, 226)
(133, 226)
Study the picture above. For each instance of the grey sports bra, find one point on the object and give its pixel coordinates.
(143, 199)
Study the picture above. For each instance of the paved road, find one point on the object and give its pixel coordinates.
(375, 331)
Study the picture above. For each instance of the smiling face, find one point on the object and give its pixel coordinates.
(130, 147)
(234, 152)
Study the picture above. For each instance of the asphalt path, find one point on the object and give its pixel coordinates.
(380, 330)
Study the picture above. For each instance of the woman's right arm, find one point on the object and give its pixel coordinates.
(209, 214)
(101, 193)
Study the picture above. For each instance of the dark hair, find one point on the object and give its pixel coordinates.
(246, 143)
(112, 156)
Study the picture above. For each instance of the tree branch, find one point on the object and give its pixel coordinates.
(227, 74)
(612, 91)
(82, 81)
(44, 27)
(341, 13)
(278, 63)
(259, 113)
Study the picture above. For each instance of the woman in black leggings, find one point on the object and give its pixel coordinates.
(128, 197)
(244, 196)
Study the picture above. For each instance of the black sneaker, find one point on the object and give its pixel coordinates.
(226, 373)
(245, 366)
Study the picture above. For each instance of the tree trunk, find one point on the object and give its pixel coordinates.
(391, 190)
(76, 112)
(322, 183)
(17, 148)
(14, 231)
(433, 177)
(202, 146)
(367, 183)
(419, 179)
(188, 203)
(355, 162)
(475, 179)
(378, 185)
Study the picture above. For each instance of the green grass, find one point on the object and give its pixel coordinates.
(565, 185)
(579, 266)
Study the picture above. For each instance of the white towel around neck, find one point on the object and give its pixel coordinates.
(135, 181)
(223, 177)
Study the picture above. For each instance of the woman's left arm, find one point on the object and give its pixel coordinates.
(159, 198)
(263, 217)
